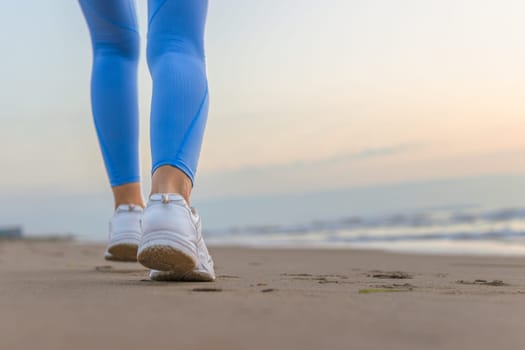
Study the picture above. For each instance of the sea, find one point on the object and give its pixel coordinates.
(475, 216)
(482, 215)
(468, 230)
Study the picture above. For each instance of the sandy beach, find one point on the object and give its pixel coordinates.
(63, 295)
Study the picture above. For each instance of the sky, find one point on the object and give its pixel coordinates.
(304, 96)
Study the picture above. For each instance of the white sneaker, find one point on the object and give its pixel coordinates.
(172, 244)
(124, 233)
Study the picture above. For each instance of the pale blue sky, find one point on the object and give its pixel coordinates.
(305, 95)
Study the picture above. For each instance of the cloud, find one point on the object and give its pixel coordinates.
(299, 175)
(373, 152)
(367, 153)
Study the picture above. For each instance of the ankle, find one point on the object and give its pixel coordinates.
(130, 193)
(169, 179)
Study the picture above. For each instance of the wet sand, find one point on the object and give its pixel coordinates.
(63, 295)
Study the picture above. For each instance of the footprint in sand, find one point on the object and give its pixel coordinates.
(383, 290)
(105, 268)
(206, 290)
(321, 279)
(407, 286)
(389, 274)
(495, 283)
(108, 268)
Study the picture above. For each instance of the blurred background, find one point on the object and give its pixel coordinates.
(337, 123)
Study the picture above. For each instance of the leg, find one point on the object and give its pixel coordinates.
(172, 243)
(115, 40)
(179, 106)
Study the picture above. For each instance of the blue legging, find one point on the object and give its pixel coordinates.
(179, 107)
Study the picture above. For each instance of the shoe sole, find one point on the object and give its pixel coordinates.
(167, 258)
(162, 251)
(126, 252)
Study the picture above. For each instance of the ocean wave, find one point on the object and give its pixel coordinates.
(420, 219)
(503, 224)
